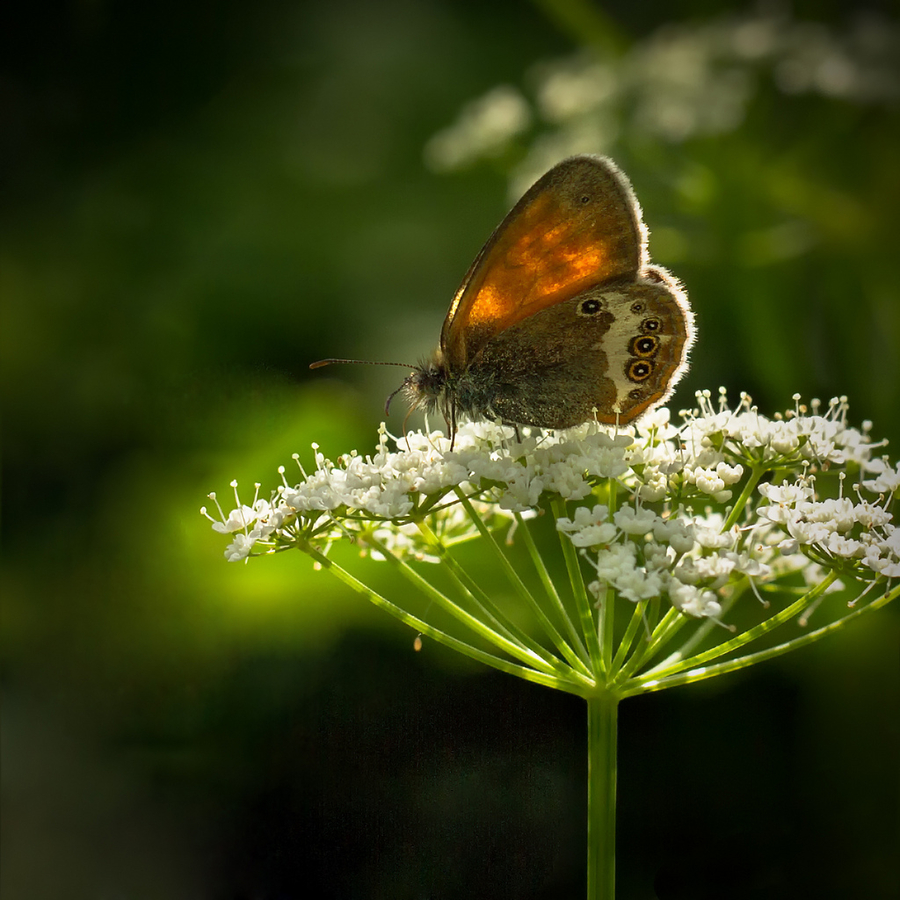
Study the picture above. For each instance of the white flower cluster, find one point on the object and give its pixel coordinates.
(374, 494)
(651, 515)
(834, 529)
(642, 555)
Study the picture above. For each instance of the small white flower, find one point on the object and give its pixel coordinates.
(567, 479)
(656, 424)
(871, 516)
(239, 548)
(882, 565)
(715, 570)
(595, 535)
(656, 556)
(615, 561)
(604, 454)
(887, 480)
(707, 481)
(806, 533)
(749, 565)
(841, 546)
(654, 488)
(238, 520)
(523, 492)
(787, 493)
(783, 438)
(634, 521)
(730, 474)
(687, 572)
(778, 514)
(583, 518)
(681, 535)
(636, 585)
(694, 602)
(708, 532)
(837, 515)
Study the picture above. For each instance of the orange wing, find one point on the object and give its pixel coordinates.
(577, 226)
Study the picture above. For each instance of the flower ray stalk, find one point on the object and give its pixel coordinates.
(582, 603)
(756, 473)
(606, 620)
(625, 644)
(510, 646)
(576, 648)
(483, 604)
(705, 672)
(752, 634)
(672, 622)
(523, 592)
(420, 625)
(706, 626)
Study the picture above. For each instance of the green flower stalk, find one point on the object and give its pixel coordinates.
(668, 535)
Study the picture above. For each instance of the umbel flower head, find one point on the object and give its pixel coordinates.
(728, 517)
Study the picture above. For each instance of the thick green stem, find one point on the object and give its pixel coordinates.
(602, 730)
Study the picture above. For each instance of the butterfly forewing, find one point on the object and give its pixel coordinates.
(578, 226)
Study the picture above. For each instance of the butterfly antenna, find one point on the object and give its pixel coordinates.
(358, 362)
(369, 362)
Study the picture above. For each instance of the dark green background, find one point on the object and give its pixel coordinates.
(200, 199)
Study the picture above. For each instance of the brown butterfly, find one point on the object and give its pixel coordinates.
(561, 319)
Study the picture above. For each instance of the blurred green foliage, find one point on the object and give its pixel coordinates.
(201, 199)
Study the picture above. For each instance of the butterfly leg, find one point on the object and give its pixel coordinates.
(451, 424)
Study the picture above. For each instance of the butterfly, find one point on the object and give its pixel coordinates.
(561, 319)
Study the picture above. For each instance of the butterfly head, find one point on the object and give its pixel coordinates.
(429, 387)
